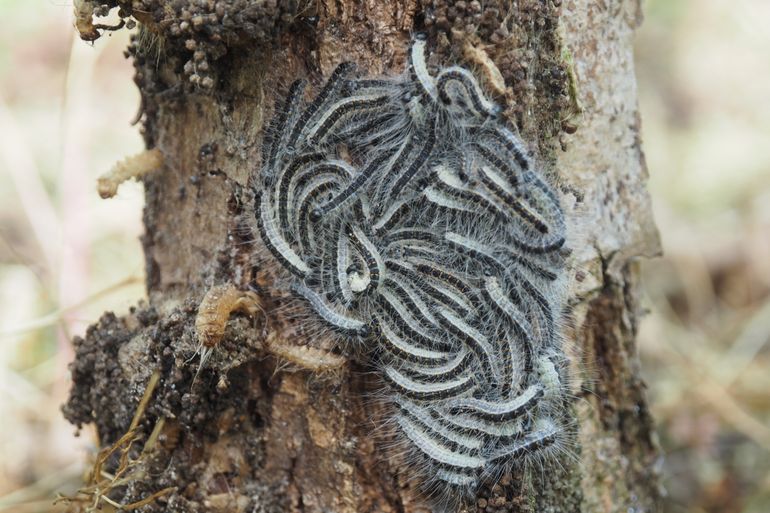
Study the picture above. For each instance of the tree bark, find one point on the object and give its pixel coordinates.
(247, 432)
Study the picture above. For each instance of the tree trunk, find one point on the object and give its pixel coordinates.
(251, 432)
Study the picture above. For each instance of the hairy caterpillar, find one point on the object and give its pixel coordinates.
(408, 218)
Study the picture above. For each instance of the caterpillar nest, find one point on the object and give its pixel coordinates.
(407, 217)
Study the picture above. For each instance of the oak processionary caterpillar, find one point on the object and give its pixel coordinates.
(410, 223)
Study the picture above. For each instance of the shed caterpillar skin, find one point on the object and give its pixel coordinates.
(216, 308)
(134, 166)
(405, 215)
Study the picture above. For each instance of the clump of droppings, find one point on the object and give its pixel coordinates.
(193, 33)
(114, 366)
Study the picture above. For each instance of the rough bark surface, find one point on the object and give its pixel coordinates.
(250, 433)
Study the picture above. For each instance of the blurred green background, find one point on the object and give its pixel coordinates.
(704, 80)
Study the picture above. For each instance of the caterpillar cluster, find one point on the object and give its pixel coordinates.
(406, 215)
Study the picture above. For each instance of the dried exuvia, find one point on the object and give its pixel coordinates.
(408, 219)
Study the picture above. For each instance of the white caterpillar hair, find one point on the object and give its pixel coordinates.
(409, 218)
